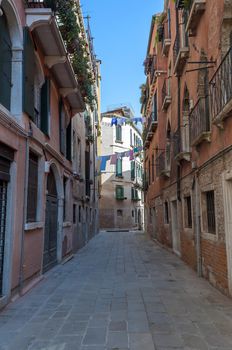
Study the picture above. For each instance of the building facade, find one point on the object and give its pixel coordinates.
(187, 100)
(121, 197)
(48, 188)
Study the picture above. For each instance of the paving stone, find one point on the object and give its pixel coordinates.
(168, 340)
(95, 336)
(139, 341)
(117, 340)
(118, 326)
(119, 283)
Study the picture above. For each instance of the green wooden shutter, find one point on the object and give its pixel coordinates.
(69, 141)
(28, 75)
(62, 128)
(119, 167)
(119, 192)
(45, 107)
(132, 170)
(5, 63)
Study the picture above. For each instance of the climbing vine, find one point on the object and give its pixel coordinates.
(66, 13)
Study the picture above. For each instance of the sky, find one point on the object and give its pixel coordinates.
(121, 29)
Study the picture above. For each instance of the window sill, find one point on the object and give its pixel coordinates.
(210, 236)
(33, 226)
(67, 224)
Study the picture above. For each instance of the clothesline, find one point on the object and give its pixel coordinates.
(124, 121)
(102, 160)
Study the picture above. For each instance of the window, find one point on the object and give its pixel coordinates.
(65, 180)
(90, 214)
(74, 213)
(44, 107)
(119, 167)
(149, 172)
(166, 213)
(188, 212)
(119, 192)
(69, 141)
(120, 212)
(62, 123)
(134, 194)
(32, 191)
(118, 133)
(133, 213)
(210, 207)
(5, 63)
(132, 170)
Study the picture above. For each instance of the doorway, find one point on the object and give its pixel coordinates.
(227, 194)
(51, 221)
(175, 228)
(3, 206)
(154, 224)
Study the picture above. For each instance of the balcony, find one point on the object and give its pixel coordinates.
(166, 40)
(153, 69)
(163, 165)
(220, 88)
(166, 96)
(195, 11)
(181, 144)
(199, 122)
(180, 54)
(150, 129)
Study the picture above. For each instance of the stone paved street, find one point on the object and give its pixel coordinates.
(120, 292)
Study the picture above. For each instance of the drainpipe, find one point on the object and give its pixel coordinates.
(197, 222)
(26, 170)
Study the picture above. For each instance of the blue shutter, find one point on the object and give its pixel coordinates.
(28, 75)
(45, 106)
(5, 63)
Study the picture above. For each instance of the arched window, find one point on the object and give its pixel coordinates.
(5, 63)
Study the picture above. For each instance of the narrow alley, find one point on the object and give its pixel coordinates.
(120, 292)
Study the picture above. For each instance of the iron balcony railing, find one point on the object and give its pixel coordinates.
(199, 120)
(220, 86)
(153, 68)
(150, 125)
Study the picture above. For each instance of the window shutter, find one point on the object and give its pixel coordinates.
(5, 63)
(119, 167)
(62, 128)
(132, 170)
(45, 106)
(32, 188)
(69, 141)
(28, 75)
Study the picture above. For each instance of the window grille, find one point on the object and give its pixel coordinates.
(188, 213)
(210, 205)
